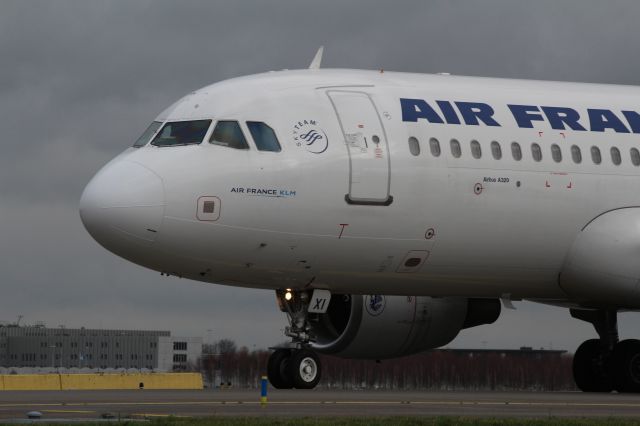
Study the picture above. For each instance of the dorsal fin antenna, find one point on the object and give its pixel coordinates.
(317, 60)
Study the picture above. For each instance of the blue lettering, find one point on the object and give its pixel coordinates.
(448, 112)
(413, 109)
(633, 118)
(559, 116)
(474, 112)
(601, 119)
(525, 115)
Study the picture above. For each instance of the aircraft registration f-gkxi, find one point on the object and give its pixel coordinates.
(388, 210)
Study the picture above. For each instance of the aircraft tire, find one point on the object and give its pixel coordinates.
(278, 369)
(305, 369)
(626, 363)
(590, 369)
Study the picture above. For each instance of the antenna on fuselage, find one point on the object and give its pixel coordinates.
(317, 60)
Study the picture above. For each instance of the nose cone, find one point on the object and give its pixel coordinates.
(122, 207)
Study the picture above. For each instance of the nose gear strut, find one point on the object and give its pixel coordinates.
(296, 364)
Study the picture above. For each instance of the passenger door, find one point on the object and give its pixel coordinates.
(366, 141)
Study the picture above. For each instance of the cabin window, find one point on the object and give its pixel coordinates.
(635, 156)
(456, 151)
(556, 154)
(414, 146)
(264, 136)
(434, 146)
(536, 152)
(496, 151)
(476, 151)
(576, 155)
(516, 151)
(177, 133)
(229, 134)
(615, 156)
(151, 130)
(595, 155)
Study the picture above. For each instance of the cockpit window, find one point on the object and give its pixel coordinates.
(182, 133)
(264, 136)
(228, 133)
(144, 138)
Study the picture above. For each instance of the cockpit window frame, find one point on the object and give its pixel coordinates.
(147, 136)
(257, 144)
(245, 142)
(205, 134)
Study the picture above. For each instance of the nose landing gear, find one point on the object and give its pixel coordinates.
(296, 366)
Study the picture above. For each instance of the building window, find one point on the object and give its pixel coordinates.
(456, 151)
(434, 146)
(414, 146)
(536, 152)
(179, 346)
(615, 156)
(180, 358)
(476, 151)
(576, 155)
(496, 151)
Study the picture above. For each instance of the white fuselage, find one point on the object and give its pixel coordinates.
(349, 205)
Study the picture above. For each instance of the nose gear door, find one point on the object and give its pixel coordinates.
(366, 141)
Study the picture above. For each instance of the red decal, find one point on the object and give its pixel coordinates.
(570, 185)
(540, 134)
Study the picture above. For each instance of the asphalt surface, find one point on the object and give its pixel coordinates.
(147, 403)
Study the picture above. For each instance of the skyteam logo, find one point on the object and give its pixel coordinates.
(375, 304)
(308, 134)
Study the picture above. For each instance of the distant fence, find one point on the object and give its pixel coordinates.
(100, 381)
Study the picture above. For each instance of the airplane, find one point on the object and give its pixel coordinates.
(391, 210)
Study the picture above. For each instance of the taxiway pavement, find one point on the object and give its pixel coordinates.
(148, 403)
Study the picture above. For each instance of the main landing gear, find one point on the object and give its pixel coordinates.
(297, 365)
(606, 364)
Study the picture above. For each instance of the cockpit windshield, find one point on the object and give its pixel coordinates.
(182, 133)
(144, 138)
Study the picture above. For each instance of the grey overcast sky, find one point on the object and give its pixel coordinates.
(80, 80)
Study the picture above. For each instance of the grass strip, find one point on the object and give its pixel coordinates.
(371, 421)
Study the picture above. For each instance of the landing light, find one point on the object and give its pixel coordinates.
(288, 295)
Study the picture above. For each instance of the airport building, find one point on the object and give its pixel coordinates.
(39, 346)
